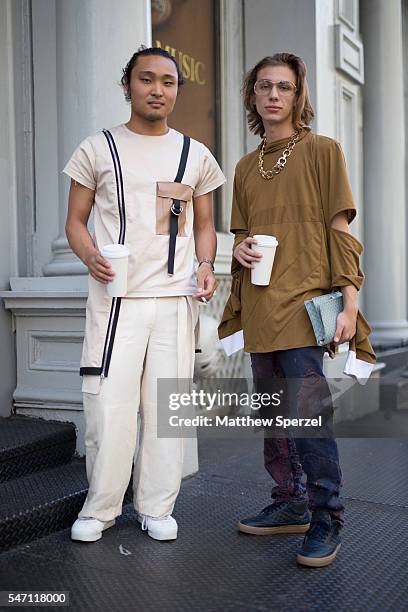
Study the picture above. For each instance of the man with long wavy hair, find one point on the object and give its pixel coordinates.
(294, 186)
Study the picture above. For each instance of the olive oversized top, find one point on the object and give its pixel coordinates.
(297, 206)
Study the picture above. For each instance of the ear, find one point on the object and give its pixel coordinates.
(125, 88)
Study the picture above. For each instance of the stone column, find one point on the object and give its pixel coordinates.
(94, 42)
(384, 167)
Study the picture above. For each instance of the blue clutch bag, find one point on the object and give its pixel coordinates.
(323, 311)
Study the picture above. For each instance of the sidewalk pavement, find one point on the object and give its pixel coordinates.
(212, 567)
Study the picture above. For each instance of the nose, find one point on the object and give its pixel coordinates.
(157, 89)
(274, 93)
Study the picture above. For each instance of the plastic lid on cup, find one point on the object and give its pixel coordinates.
(266, 240)
(114, 251)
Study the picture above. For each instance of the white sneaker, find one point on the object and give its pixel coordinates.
(162, 528)
(89, 529)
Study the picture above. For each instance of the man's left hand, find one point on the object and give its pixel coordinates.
(346, 327)
(206, 283)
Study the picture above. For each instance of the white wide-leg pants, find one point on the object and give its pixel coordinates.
(154, 339)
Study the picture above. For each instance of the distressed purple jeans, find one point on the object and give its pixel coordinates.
(286, 458)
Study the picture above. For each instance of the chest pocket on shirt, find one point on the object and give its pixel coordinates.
(165, 194)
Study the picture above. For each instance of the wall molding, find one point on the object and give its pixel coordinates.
(347, 13)
(349, 56)
(42, 344)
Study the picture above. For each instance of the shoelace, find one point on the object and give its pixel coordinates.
(319, 531)
(154, 518)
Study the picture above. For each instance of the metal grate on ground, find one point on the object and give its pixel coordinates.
(212, 567)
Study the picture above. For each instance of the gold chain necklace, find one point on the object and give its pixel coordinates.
(280, 164)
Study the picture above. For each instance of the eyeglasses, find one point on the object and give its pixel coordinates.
(265, 86)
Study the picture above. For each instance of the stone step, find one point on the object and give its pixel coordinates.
(394, 391)
(42, 484)
(394, 359)
(41, 503)
(29, 444)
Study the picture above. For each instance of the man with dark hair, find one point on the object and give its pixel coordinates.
(146, 52)
(294, 186)
(151, 189)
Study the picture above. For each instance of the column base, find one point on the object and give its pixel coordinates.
(389, 333)
(64, 262)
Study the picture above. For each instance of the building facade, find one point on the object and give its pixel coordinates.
(60, 66)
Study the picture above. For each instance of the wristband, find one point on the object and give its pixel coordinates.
(206, 260)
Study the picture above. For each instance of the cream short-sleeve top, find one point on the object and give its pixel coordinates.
(148, 167)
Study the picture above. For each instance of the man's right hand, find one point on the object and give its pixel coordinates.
(99, 267)
(245, 255)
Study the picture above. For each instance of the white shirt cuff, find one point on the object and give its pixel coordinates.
(359, 369)
(232, 344)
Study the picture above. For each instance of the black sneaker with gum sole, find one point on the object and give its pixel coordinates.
(279, 517)
(322, 541)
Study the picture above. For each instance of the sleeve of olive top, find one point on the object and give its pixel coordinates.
(239, 218)
(335, 189)
(239, 210)
(345, 251)
(336, 196)
(81, 166)
(210, 176)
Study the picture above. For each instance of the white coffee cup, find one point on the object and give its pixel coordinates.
(261, 272)
(118, 257)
